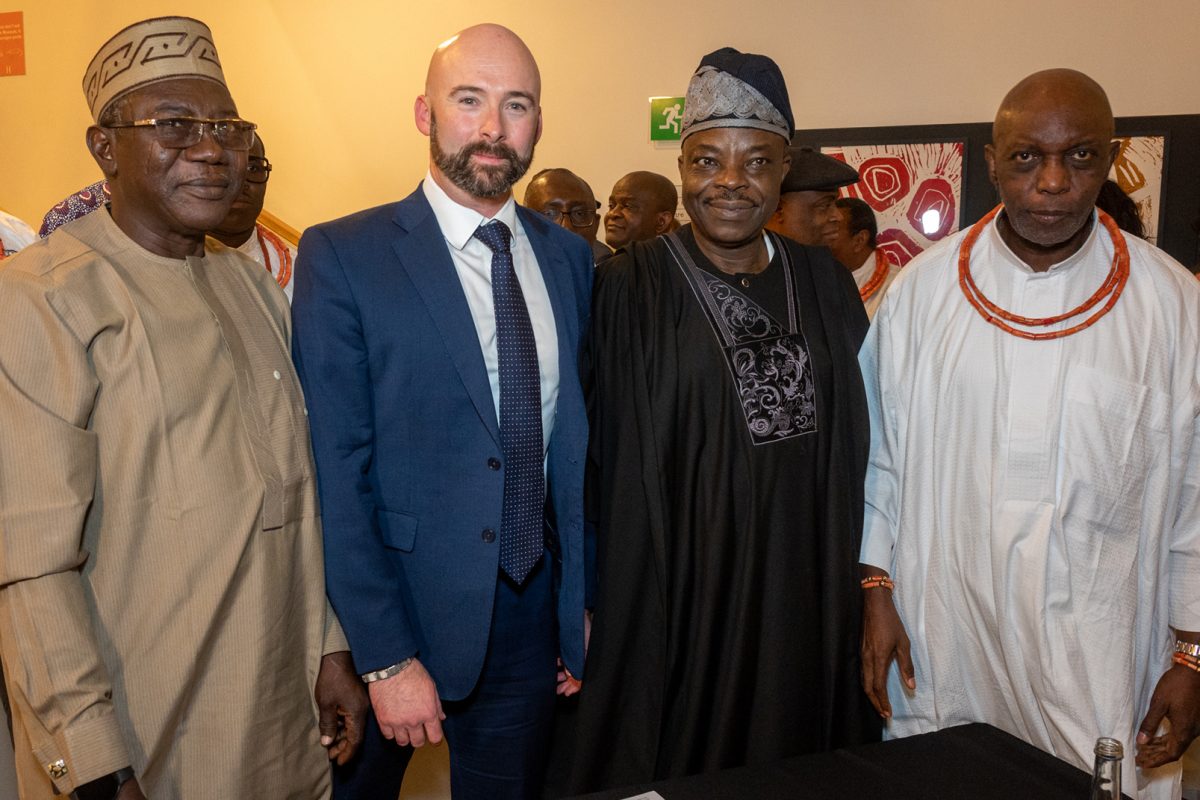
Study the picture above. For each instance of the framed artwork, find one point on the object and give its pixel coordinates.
(914, 189)
(1138, 170)
(924, 182)
(1158, 166)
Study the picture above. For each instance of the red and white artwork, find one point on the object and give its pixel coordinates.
(914, 189)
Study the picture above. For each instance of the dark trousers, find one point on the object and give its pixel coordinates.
(499, 734)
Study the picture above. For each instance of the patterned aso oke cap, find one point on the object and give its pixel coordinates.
(147, 52)
(731, 89)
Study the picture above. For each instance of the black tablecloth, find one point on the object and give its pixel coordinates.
(974, 762)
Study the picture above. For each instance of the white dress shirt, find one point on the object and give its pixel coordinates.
(473, 262)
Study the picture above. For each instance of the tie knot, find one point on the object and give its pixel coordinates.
(495, 235)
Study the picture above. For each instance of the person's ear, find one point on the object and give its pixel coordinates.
(663, 223)
(102, 147)
(423, 115)
(1114, 150)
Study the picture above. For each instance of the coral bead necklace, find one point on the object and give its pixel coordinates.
(1107, 294)
(877, 277)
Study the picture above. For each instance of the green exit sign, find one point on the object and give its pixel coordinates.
(666, 118)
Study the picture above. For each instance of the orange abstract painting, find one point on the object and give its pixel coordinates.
(1138, 170)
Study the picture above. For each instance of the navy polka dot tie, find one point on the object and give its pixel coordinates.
(521, 538)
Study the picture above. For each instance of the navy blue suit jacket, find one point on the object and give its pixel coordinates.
(403, 430)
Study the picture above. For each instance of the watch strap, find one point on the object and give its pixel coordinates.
(387, 672)
(1191, 648)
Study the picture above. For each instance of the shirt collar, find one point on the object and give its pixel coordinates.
(102, 218)
(867, 267)
(250, 246)
(459, 223)
(1083, 253)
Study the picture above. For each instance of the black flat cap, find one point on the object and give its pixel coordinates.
(812, 171)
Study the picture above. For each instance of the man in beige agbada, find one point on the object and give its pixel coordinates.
(163, 621)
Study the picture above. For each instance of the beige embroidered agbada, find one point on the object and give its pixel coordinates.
(162, 594)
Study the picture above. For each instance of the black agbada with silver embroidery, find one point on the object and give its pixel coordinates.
(729, 445)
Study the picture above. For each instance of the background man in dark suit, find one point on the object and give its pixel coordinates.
(437, 342)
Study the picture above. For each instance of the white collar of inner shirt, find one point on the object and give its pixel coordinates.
(459, 223)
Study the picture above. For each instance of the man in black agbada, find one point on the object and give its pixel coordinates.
(729, 444)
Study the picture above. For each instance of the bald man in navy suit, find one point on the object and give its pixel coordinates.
(437, 340)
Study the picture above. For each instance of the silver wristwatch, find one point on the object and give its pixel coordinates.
(386, 672)
(1191, 649)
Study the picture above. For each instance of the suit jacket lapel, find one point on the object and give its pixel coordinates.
(425, 257)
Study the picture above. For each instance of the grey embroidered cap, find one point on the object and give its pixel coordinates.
(731, 89)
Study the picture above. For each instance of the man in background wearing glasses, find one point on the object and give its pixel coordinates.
(241, 229)
(163, 622)
(566, 199)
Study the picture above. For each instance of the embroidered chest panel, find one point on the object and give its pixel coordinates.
(769, 362)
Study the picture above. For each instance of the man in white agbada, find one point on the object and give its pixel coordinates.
(856, 247)
(14, 235)
(1037, 501)
(242, 231)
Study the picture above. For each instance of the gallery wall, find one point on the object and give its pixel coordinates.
(332, 84)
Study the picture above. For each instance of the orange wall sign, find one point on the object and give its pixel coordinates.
(12, 43)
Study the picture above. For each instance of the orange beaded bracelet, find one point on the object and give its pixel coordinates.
(876, 581)
(1191, 662)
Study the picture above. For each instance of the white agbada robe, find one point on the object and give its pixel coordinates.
(15, 235)
(1037, 501)
(254, 246)
(862, 276)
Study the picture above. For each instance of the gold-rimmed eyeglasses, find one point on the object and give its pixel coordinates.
(180, 133)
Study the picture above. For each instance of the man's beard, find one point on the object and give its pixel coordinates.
(475, 179)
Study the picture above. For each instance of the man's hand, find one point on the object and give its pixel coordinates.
(567, 683)
(130, 790)
(883, 638)
(1177, 699)
(407, 706)
(342, 704)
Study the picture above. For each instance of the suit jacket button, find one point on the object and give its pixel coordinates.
(494, 463)
(488, 535)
